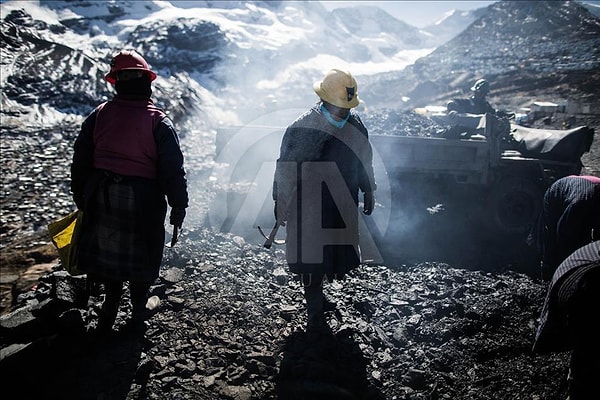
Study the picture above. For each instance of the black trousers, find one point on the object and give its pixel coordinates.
(113, 293)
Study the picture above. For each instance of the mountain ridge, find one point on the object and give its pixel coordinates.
(216, 47)
(542, 43)
(215, 56)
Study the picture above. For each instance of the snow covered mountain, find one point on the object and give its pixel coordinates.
(225, 60)
(231, 61)
(452, 23)
(526, 49)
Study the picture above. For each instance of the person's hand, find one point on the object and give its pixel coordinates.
(79, 202)
(369, 203)
(177, 216)
(278, 217)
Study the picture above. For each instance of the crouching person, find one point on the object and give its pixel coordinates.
(127, 163)
(325, 161)
(569, 319)
(570, 218)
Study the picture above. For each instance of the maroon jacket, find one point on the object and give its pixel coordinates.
(132, 138)
(127, 163)
(124, 137)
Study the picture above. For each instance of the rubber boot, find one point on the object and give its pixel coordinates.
(328, 305)
(110, 307)
(106, 320)
(143, 308)
(313, 293)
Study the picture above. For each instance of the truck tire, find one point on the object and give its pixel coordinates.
(514, 204)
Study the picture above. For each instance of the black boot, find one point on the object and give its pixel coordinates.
(328, 305)
(110, 307)
(106, 320)
(143, 308)
(313, 293)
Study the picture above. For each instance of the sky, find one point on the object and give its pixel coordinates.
(415, 13)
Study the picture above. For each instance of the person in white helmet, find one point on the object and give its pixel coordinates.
(325, 161)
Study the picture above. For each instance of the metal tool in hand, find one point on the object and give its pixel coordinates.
(269, 240)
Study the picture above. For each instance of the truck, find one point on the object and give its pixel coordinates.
(509, 165)
(491, 180)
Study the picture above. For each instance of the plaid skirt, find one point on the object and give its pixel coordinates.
(571, 305)
(123, 234)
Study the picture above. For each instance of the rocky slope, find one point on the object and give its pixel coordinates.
(537, 49)
(231, 322)
(231, 326)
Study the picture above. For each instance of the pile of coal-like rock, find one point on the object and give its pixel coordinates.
(231, 326)
(402, 122)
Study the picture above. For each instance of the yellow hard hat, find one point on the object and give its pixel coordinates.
(338, 88)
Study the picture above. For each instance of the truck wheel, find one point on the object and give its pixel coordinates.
(514, 205)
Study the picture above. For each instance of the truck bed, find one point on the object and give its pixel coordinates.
(466, 160)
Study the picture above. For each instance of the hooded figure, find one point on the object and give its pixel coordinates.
(325, 161)
(570, 218)
(569, 319)
(126, 164)
(464, 115)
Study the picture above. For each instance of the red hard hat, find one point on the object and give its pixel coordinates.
(127, 59)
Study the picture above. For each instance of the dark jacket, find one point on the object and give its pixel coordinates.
(471, 105)
(568, 318)
(124, 170)
(320, 171)
(569, 218)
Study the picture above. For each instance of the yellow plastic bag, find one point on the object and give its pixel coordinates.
(64, 233)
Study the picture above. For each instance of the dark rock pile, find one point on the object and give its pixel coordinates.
(230, 326)
(403, 122)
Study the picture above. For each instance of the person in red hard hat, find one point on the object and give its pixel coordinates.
(128, 61)
(127, 164)
(324, 163)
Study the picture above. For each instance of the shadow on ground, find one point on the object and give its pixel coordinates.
(77, 365)
(323, 365)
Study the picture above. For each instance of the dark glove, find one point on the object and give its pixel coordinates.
(504, 114)
(177, 216)
(79, 202)
(369, 203)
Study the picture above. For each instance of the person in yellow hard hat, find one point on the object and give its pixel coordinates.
(127, 164)
(325, 160)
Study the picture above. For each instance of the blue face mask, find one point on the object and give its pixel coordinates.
(333, 121)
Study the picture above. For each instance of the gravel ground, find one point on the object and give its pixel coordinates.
(230, 325)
